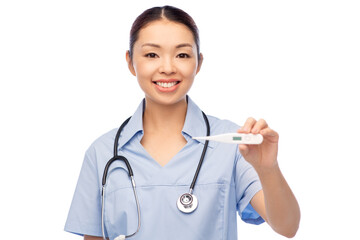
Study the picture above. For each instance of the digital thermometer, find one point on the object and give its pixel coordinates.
(235, 138)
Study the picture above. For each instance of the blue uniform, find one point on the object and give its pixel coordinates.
(225, 186)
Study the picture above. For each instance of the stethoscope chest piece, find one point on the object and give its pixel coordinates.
(187, 203)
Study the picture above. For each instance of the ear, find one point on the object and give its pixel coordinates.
(130, 64)
(201, 58)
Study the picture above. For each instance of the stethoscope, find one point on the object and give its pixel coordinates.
(186, 203)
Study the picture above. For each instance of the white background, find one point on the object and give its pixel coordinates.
(64, 82)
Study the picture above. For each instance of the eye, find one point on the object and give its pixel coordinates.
(183, 55)
(151, 55)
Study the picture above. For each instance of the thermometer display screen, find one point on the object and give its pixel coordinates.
(237, 138)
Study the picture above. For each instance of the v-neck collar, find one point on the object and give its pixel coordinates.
(194, 125)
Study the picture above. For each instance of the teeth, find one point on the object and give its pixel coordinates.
(166, 84)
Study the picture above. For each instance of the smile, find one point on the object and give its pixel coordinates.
(166, 84)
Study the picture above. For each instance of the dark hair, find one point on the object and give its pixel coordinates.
(166, 12)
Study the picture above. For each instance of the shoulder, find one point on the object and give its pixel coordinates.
(219, 126)
(222, 126)
(102, 144)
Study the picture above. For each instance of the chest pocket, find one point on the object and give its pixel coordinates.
(160, 217)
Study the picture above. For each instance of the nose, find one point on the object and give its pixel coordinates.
(167, 66)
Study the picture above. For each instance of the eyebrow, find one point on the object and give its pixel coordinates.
(158, 46)
(150, 45)
(184, 45)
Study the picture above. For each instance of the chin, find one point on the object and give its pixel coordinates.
(166, 99)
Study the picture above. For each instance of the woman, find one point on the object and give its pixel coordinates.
(164, 56)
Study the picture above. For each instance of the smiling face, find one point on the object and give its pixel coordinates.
(165, 62)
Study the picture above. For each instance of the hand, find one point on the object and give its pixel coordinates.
(264, 155)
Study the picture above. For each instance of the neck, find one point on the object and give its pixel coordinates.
(159, 118)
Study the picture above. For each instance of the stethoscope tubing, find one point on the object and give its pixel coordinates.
(103, 196)
(116, 157)
(202, 154)
(131, 175)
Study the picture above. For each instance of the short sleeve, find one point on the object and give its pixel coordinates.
(84, 216)
(247, 184)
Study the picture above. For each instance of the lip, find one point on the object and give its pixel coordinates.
(170, 89)
(167, 80)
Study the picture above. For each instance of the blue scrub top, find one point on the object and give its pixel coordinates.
(225, 185)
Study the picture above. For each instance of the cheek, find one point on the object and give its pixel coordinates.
(143, 70)
(188, 70)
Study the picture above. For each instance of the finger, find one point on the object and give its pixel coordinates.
(259, 125)
(270, 134)
(248, 125)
